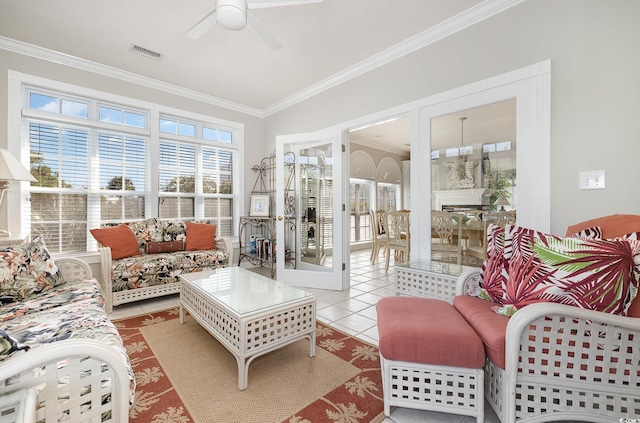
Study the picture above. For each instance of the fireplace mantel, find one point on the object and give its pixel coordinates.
(460, 197)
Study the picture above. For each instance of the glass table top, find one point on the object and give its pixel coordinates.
(444, 268)
(242, 290)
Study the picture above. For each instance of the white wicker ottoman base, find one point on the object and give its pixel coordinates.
(455, 390)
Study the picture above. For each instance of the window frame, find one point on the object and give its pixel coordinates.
(22, 85)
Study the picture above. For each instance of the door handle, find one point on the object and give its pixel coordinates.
(279, 217)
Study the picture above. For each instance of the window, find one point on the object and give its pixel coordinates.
(59, 198)
(172, 126)
(388, 195)
(361, 193)
(114, 114)
(178, 177)
(122, 177)
(196, 179)
(97, 162)
(60, 105)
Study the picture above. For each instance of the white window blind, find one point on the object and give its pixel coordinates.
(122, 177)
(388, 195)
(59, 199)
(198, 182)
(360, 193)
(97, 161)
(177, 176)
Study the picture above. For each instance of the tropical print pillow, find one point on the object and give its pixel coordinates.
(633, 235)
(494, 269)
(594, 232)
(27, 269)
(588, 273)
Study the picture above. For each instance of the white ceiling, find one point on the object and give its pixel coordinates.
(321, 41)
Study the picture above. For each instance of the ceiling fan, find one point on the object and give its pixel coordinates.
(236, 14)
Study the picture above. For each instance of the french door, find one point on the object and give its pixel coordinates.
(310, 211)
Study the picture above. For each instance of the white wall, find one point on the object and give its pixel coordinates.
(595, 92)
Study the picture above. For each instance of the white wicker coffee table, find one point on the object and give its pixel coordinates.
(249, 314)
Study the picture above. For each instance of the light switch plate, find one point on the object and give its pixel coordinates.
(592, 179)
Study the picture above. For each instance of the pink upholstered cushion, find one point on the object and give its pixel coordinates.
(422, 330)
(491, 327)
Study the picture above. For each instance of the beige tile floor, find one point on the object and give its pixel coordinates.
(352, 311)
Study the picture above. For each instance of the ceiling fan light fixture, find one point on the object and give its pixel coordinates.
(232, 14)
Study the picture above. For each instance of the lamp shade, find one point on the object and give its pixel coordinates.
(12, 170)
(502, 201)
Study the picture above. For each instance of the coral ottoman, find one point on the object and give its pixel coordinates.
(431, 358)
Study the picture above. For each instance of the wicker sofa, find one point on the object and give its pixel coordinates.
(62, 358)
(152, 266)
(551, 361)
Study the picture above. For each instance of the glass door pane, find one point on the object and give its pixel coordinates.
(473, 179)
(306, 199)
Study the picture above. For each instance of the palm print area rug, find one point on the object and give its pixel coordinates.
(183, 374)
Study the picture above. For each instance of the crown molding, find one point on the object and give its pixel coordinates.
(109, 71)
(367, 143)
(480, 12)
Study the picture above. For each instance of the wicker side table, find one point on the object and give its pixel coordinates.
(429, 279)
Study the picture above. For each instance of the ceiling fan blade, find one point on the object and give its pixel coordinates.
(254, 25)
(203, 25)
(261, 4)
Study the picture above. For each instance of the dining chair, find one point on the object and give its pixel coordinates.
(501, 219)
(398, 236)
(379, 234)
(474, 229)
(446, 234)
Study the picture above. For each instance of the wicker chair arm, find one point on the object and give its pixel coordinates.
(34, 369)
(73, 269)
(551, 345)
(225, 243)
(468, 282)
(106, 281)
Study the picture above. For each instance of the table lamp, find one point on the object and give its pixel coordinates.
(11, 170)
(502, 201)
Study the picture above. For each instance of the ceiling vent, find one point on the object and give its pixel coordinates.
(145, 52)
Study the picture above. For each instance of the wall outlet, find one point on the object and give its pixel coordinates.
(592, 179)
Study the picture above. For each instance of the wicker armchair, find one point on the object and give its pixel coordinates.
(564, 363)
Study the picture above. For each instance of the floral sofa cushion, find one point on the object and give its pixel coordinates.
(158, 269)
(173, 230)
(62, 294)
(27, 269)
(144, 231)
(10, 345)
(83, 317)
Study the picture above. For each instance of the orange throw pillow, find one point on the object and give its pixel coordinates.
(201, 236)
(120, 239)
